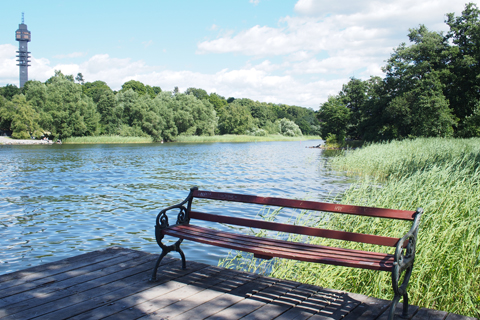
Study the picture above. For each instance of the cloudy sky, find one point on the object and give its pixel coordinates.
(280, 51)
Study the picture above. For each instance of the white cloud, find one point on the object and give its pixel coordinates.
(255, 2)
(8, 68)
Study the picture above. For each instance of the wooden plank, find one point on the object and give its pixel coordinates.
(343, 304)
(256, 300)
(163, 304)
(279, 306)
(49, 269)
(327, 258)
(453, 316)
(22, 293)
(196, 232)
(307, 205)
(138, 290)
(251, 283)
(111, 292)
(64, 297)
(312, 305)
(429, 314)
(412, 310)
(309, 231)
(207, 291)
(369, 309)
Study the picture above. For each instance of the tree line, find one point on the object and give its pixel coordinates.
(65, 106)
(431, 88)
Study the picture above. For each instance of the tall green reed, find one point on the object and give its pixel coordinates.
(440, 175)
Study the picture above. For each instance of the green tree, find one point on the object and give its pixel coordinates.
(79, 78)
(68, 111)
(217, 101)
(25, 120)
(288, 128)
(7, 112)
(235, 119)
(334, 117)
(96, 89)
(136, 86)
(9, 91)
(463, 91)
(198, 93)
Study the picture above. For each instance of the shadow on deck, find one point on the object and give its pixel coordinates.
(114, 283)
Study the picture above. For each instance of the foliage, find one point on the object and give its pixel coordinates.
(25, 119)
(442, 176)
(431, 88)
(68, 107)
(334, 117)
(288, 128)
(9, 91)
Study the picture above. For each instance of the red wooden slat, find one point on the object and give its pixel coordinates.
(276, 244)
(309, 231)
(307, 205)
(385, 264)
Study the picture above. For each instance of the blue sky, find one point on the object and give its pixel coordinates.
(293, 52)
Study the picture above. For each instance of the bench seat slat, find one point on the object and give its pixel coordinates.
(308, 205)
(281, 244)
(278, 248)
(316, 232)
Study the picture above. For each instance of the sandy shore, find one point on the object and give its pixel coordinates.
(7, 140)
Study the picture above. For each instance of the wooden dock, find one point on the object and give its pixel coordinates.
(114, 284)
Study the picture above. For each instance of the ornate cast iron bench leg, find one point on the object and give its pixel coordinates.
(165, 251)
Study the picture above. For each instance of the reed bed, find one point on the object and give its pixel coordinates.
(440, 175)
(241, 138)
(106, 140)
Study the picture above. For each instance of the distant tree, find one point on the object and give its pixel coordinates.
(463, 88)
(79, 78)
(9, 91)
(96, 90)
(176, 91)
(334, 117)
(25, 120)
(235, 119)
(288, 128)
(217, 101)
(153, 91)
(136, 86)
(198, 93)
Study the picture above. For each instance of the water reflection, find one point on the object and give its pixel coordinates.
(59, 200)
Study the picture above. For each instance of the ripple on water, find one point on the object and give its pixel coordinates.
(58, 202)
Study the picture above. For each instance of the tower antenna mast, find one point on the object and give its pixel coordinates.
(23, 36)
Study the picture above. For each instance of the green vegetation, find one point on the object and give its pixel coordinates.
(430, 89)
(106, 140)
(241, 138)
(442, 176)
(61, 108)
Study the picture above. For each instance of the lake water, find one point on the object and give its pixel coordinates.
(62, 200)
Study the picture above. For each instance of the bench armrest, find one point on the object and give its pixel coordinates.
(405, 255)
(183, 216)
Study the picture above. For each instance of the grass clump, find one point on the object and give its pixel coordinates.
(241, 138)
(440, 175)
(106, 139)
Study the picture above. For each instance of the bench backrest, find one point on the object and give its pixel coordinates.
(306, 205)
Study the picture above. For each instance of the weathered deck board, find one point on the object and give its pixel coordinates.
(114, 284)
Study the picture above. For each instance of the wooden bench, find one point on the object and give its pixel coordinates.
(401, 262)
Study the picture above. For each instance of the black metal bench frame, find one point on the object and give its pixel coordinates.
(401, 262)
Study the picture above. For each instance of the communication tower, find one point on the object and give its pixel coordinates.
(23, 37)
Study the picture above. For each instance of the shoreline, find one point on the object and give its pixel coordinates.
(9, 141)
